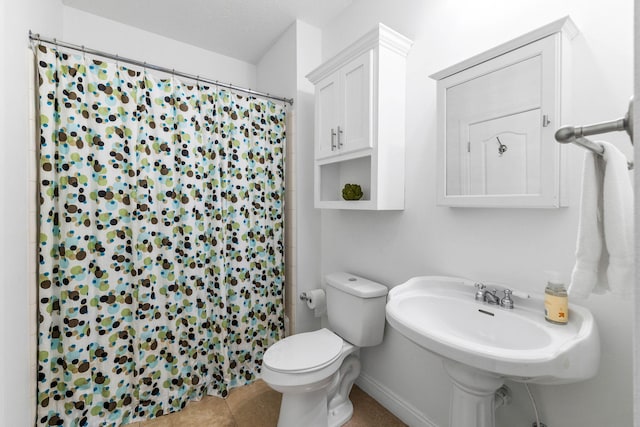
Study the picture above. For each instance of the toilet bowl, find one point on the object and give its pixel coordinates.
(311, 378)
(315, 371)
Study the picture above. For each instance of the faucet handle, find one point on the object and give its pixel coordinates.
(507, 302)
(480, 290)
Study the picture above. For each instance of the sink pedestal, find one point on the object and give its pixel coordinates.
(472, 397)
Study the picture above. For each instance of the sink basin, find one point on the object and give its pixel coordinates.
(483, 344)
(441, 315)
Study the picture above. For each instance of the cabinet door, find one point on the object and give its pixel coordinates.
(355, 126)
(327, 114)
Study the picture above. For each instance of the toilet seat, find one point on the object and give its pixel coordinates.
(304, 352)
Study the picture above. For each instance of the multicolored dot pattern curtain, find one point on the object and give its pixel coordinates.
(161, 247)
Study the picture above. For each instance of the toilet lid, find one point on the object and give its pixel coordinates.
(304, 352)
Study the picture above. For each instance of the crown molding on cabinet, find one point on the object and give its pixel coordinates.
(564, 25)
(379, 36)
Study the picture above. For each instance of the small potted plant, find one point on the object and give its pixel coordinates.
(352, 192)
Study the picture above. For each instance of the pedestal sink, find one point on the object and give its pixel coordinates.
(483, 344)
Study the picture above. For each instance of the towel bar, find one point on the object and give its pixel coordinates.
(577, 134)
(571, 133)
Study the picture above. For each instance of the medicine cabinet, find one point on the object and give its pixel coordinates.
(360, 123)
(497, 115)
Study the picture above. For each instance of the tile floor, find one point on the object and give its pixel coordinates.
(256, 405)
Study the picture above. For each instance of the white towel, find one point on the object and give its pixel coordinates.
(604, 253)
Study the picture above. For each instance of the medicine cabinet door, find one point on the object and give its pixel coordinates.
(496, 121)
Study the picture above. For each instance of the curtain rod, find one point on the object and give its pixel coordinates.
(37, 37)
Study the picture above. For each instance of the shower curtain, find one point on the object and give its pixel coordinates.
(161, 240)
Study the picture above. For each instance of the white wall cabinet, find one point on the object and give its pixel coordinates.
(497, 115)
(343, 105)
(359, 122)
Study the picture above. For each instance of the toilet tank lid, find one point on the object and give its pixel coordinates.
(355, 285)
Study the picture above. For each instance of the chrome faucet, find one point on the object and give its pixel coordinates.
(483, 294)
(489, 296)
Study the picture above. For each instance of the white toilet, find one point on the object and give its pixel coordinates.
(315, 370)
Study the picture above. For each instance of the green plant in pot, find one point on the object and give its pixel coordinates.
(352, 192)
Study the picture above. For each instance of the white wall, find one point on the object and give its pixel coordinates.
(276, 70)
(3, 294)
(308, 56)
(276, 74)
(281, 70)
(636, 342)
(512, 246)
(18, 300)
(99, 33)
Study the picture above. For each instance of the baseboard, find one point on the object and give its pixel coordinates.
(387, 398)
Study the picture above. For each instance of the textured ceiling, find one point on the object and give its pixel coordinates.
(243, 29)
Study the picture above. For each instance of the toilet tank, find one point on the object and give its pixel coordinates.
(356, 308)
